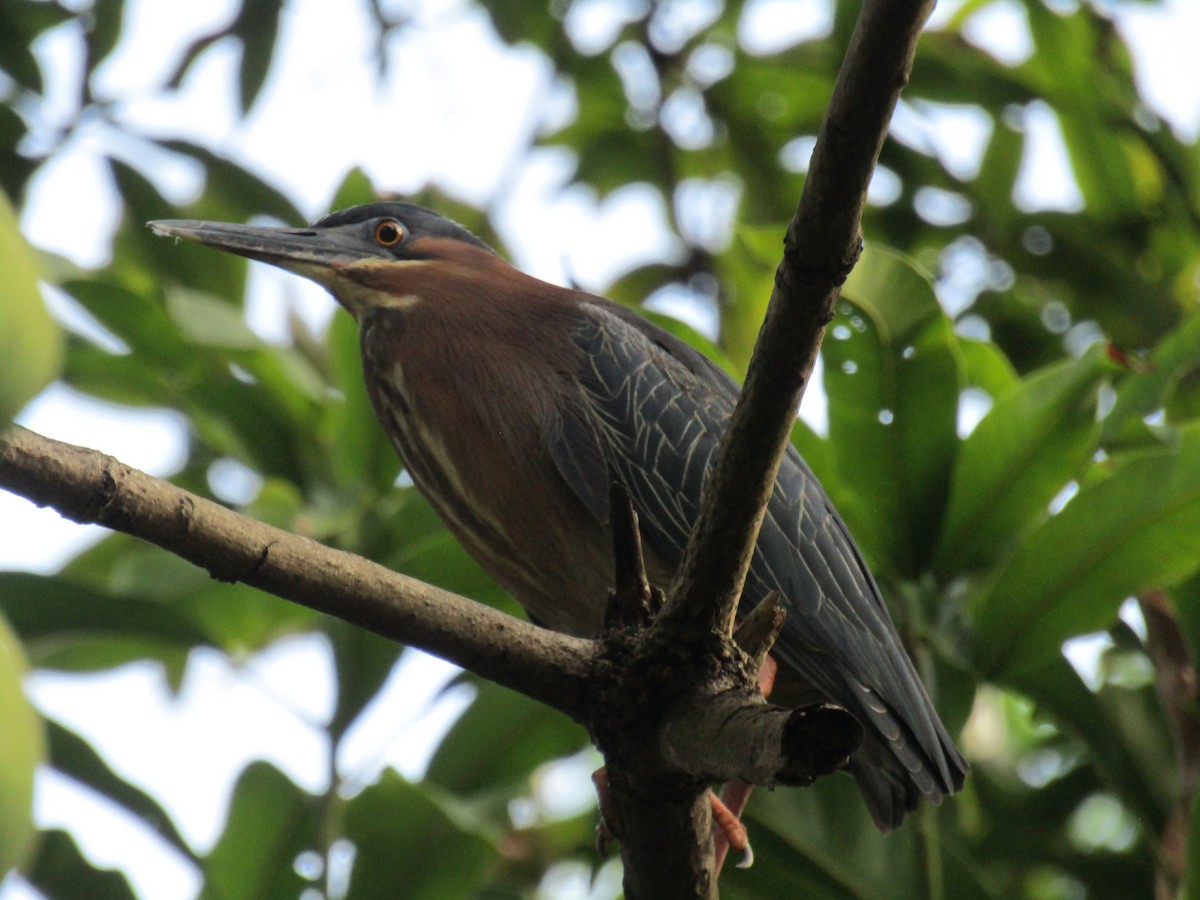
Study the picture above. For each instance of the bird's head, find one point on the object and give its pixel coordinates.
(366, 256)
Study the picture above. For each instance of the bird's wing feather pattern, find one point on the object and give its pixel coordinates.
(658, 408)
(579, 458)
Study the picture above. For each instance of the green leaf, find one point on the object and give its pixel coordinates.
(75, 757)
(30, 342)
(270, 823)
(104, 25)
(364, 661)
(893, 377)
(257, 25)
(66, 624)
(61, 870)
(1137, 529)
(410, 842)
(355, 188)
(1185, 601)
(124, 600)
(208, 321)
(240, 619)
(134, 317)
(1191, 872)
(1061, 695)
(986, 367)
(14, 167)
(1020, 455)
(483, 752)
(23, 23)
(747, 274)
(1000, 166)
(119, 379)
(258, 422)
(1141, 393)
(820, 843)
(22, 750)
(231, 192)
(520, 22)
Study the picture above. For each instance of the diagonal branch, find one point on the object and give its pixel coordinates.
(89, 487)
(822, 245)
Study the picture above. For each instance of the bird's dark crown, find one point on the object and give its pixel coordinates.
(419, 221)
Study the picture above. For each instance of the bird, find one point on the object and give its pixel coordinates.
(515, 404)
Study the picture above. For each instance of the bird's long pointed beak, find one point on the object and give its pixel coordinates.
(305, 251)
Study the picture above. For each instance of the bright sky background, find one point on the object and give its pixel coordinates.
(455, 111)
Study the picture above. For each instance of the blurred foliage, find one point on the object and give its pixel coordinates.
(1069, 339)
(30, 342)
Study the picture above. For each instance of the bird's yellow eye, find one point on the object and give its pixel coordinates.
(389, 233)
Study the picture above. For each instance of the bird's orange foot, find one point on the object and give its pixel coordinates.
(728, 831)
(606, 828)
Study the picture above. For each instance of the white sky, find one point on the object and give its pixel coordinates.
(437, 119)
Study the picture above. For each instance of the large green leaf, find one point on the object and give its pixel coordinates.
(1139, 528)
(1020, 455)
(271, 823)
(30, 342)
(893, 377)
(141, 602)
(986, 367)
(364, 661)
(409, 842)
(1143, 392)
(68, 625)
(484, 752)
(21, 751)
(747, 273)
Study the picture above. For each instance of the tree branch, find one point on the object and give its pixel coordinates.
(89, 487)
(822, 245)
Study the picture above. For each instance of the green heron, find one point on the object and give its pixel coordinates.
(514, 405)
